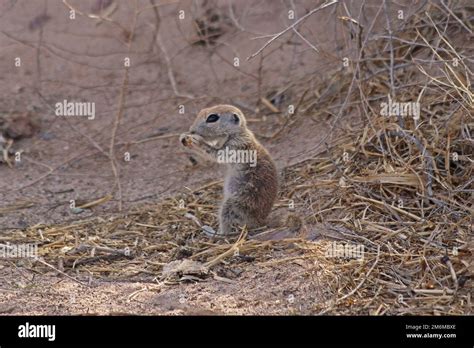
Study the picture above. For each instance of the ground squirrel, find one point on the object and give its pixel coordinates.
(220, 133)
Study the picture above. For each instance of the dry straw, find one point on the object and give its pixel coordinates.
(399, 186)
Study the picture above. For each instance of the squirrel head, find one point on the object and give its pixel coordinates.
(219, 121)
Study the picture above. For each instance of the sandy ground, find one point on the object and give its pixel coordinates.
(294, 290)
(67, 158)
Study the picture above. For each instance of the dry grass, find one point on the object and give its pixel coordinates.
(399, 186)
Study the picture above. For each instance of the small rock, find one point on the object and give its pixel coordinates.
(184, 268)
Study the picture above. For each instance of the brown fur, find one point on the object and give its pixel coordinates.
(249, 192)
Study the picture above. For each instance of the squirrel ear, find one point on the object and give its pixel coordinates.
(235, 118)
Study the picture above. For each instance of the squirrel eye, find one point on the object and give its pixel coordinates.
(212, 118)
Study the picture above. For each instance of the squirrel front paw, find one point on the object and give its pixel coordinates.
(190, 140)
